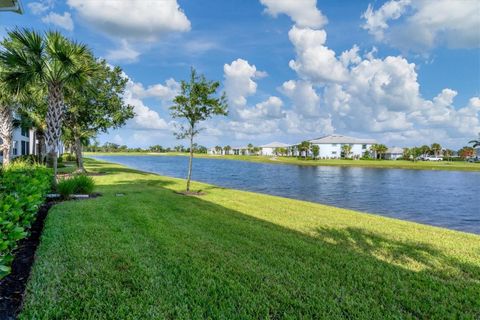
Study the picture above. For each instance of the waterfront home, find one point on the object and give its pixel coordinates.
(331, 146)
(394, 153)
(23, 142)
(270, 148)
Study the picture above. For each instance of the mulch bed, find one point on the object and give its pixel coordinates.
(12, 287)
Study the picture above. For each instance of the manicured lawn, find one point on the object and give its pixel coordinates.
(155, 254)
(397, 164)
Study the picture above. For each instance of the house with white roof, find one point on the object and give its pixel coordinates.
(394, 153)
(269, 149)
(331, 146)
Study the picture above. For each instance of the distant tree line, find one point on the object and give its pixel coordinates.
(114, 147)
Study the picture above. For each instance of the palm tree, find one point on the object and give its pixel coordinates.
(304, 147)
(436, 149)
(6, 125)
(227, 149)
(425, 150)
(476, 143)
(218, 150)
(347, 150)
(379, 150)
(51, 62)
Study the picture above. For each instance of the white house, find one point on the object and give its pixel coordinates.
(331, 146)
(269, 148)
(394, 153)
(23, 142)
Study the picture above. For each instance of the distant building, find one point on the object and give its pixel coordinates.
(331, 146)
(394, 153)
(269, 148)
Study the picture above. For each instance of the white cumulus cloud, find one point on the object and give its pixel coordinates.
(303, 12)
(422, 25)
(64, 21)
(145, 20)
(239, 82)
(315, 61)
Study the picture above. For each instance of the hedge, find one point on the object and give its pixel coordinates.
(23, 188)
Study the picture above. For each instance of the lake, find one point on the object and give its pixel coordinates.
(449, 199)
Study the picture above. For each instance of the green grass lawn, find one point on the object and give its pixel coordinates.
(398, 164)
(156, 254)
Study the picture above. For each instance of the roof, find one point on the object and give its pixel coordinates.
(275, 145)
(395, 150)
(336, 138)
(11, 5)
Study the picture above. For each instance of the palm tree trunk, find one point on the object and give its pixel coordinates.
(189, 177)
(54, 123)
(6, 133)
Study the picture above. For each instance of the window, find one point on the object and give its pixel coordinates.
(24, 147)
(334, 144)
(334, 152)
(25, 132)
(14, 151)
(364, 146)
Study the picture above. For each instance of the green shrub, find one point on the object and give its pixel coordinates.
(81, 183)
(66, 187)
(23, 187)
(84, 184)
(27, 159)
(68, 157)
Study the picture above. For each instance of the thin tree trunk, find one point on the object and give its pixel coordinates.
(78, 154)
(189, 177)
(54, 123)
(6, 133)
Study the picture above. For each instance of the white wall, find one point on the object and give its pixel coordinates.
(393, 156)
(335, 150)
(268, 151)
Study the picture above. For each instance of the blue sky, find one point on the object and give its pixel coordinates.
(410, 72)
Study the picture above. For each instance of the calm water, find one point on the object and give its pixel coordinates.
(449, 199)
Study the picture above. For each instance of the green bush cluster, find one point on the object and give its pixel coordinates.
(23, 188)
(67, 157)
(81, 184)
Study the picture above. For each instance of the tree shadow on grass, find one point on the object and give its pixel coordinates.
(406, 254)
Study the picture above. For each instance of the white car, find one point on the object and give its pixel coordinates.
(432, 158)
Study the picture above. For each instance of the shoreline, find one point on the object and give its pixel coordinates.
(374, 164)
(214, 186)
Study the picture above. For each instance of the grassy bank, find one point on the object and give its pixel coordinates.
(151, 253)
(398, 164)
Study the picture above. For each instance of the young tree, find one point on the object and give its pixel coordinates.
(346, 150)
(197, 102)
(315, 151)
(51, 62)
(304, 147)
(95, 107)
